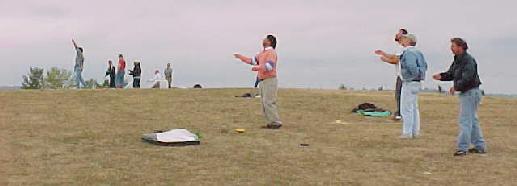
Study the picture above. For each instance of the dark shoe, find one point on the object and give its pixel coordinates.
(460, 153)
(273, 126)
(477, 151)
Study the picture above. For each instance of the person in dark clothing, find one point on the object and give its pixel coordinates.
(136, 72)
(394, 59)
(111, 72)
(257, 82)
(463, 72)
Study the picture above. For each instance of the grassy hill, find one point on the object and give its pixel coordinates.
(93, 137)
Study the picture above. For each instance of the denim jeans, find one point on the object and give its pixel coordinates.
(409, 109)
(79, 78)
(470, 132)
(120, 79)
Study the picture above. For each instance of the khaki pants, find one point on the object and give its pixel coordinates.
(268, 91)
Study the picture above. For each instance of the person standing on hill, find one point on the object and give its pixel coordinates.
(395, 59)
(168, 74)
(79, 66)
(464, 73)
(136, 72)
(156, 79)
(413, 67)
(121, 71)
(265, 63)
(111, 72)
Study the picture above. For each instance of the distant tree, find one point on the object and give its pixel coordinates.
(342, 87)
(105, 84)
(57, 78)
(92, 83)
(33, 80)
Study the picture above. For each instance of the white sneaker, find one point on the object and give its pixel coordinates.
(404, 136)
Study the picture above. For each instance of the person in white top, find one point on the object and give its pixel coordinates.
(156, 79)
(394, 59)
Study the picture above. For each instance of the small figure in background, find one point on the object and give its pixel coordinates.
(121, 71)
(111, 72)
(156, 79)
(168, 74)
(79, 66)
(136, 72)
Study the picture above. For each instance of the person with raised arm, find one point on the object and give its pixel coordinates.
(79, 66)
(265, 63)
(394, 59)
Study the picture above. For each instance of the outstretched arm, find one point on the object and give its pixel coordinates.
(446, 76)
(244, 59)
(388, 58)
(75, 44)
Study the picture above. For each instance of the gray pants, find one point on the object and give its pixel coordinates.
(398, 90)
(268, 90)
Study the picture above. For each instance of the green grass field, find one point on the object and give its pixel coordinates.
(92, 137)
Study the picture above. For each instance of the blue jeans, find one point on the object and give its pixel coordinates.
(409, 109)
(79, 77)
(470, 132)
(120, 79)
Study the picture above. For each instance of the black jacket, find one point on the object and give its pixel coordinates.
(136, 71)
(463, 72)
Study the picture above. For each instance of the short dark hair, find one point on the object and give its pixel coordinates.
(272, 39)
(460, 42)
(120, 55)
(403, 31)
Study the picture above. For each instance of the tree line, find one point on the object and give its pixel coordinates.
(54, 78)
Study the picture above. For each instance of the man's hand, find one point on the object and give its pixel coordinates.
(437, 77)
(237, 55)
(380, 52)
(452, 91)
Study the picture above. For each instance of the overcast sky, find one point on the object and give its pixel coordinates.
(321, 44)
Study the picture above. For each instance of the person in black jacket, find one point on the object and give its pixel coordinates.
(463, 72)
(136, 72)
(111, 72)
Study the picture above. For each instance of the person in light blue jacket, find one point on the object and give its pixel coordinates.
(413, 67)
